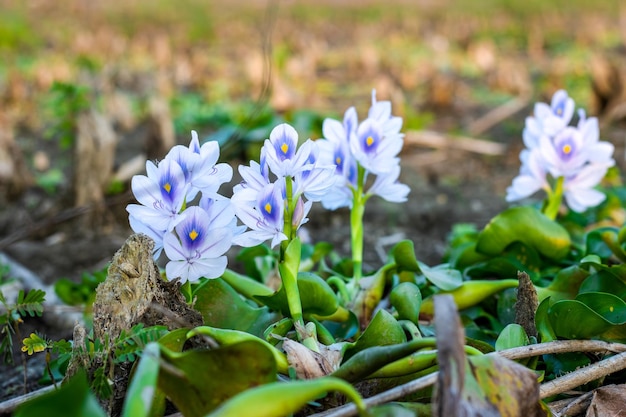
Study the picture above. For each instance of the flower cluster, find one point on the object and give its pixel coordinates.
(194, 238)
(358, 149)
(276, 194)
(181, 210)
(557, 152)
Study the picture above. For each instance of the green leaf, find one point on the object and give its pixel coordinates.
(512, 336)
(34, 343)
(527, 225)
(589, 316)
(442, 276)
(143, 386)
(403, 254)
(221, 306)
(406, 298)
(383, 330)
(544, 328)
(516, 257)
(280, 399)
(597, 239)
(317, 297)
(30, 303)
(471, 293)
(258, 261)
(73, 399)
(604, 281)
(198, 381)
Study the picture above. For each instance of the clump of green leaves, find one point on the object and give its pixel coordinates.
(65, 102)
(81, 293)
(27, 304)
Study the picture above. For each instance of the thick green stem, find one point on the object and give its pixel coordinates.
(288, 269)
(356, 225)
(288, 216)
(553, 202)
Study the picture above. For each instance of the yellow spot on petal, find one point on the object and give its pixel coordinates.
(193, 234)
(559, 111)
(167, 187)
(369, 141)
(338, 161)
(268, 208)
(284, 147)
(567, 149)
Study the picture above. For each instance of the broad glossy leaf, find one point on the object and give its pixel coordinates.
(565, 284)
(221, 306)
(72, 399)
(198, 381)
(542, 321)
(527, 225)
(604, 281)
(589, 316)
(403, 254)
(512, 336)
(383, 330)
(442, 276)
(317, 297)
(516, 257)
(406, 298)
(280, 399)
(465, 255)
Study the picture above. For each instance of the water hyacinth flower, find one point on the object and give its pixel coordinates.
(174, 183)
(199, 166)
(265, 217)
(269, 199)
(565, 161)
(284, 158)
(161, 195)
(373, 145)
(548, 120)
(196, 249)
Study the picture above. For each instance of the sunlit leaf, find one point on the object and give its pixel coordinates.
(527, 225)
(588, 316)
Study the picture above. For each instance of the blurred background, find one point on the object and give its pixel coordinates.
(90, 90)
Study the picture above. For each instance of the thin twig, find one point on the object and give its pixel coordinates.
(498, 114)
(584, 375)
(561, 346)
(439, 140)
(389, 395)
(575, 406)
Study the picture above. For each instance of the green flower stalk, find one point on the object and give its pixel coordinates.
(276, 208)
(359, 151)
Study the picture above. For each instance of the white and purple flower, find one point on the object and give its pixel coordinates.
(372, 146)
(163, 213)
(197, 248)
(556, 150)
